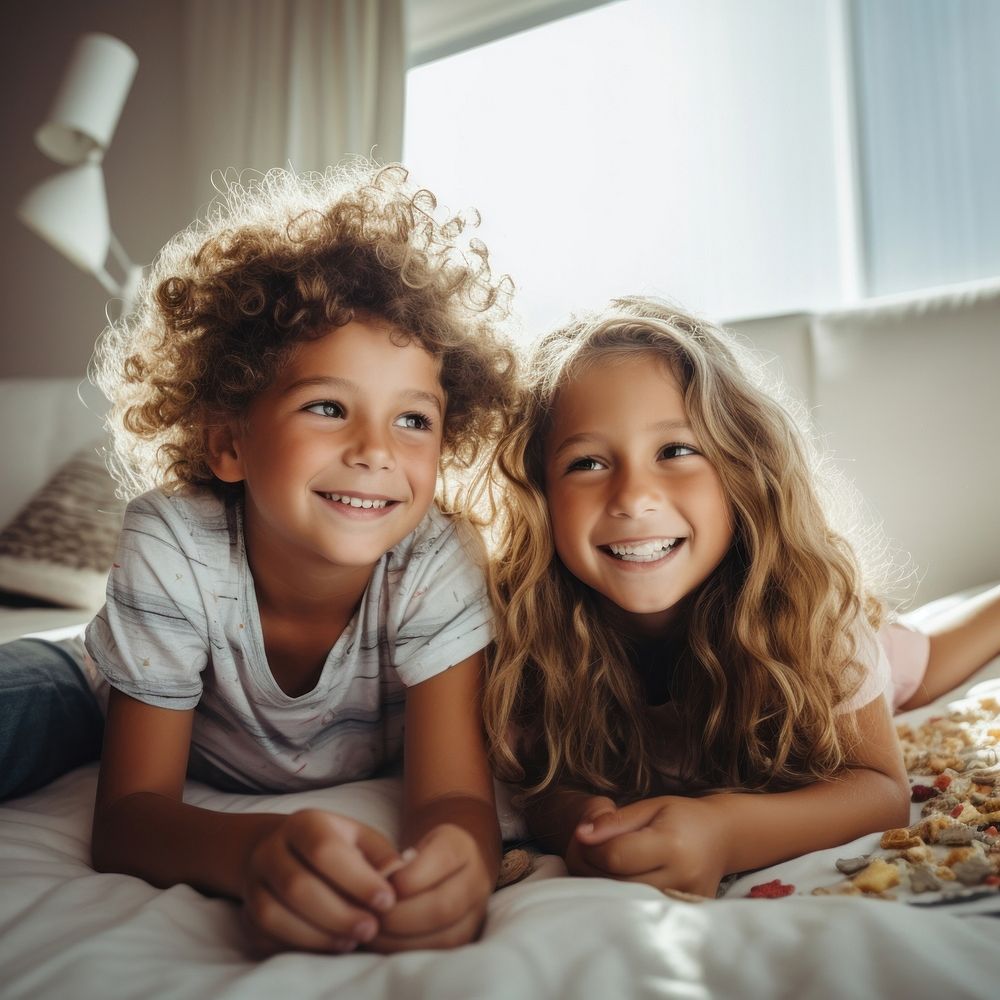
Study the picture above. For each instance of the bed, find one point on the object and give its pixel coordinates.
(66, 931)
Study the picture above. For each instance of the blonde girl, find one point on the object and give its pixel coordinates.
(687, 680)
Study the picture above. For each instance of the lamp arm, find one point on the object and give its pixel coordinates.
(110, 285)
(119, 254)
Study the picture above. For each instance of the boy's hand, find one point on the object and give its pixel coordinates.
(669, 842)
(442, 894)
(313, 883)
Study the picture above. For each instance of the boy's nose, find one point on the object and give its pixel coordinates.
(370, 448)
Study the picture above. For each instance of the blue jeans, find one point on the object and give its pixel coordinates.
(50, 721)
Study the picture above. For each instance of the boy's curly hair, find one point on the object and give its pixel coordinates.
(282, 259)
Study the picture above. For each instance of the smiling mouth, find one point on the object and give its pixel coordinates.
(649, 550)
(362, 503)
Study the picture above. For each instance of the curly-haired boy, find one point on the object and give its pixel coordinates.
(308, 366)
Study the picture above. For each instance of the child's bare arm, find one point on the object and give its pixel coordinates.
(690, 843)
(962, 640)
(449, 816)
(554, 815)
(307, 880)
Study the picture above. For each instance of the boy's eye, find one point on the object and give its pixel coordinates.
(414, 422)
(585, 464)
(327, 408)
(677, 451)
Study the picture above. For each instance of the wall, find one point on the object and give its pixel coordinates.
(53, 312)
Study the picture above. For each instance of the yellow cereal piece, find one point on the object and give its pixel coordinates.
(918, 855)
(877, 877)
(969, 814)
(898, 840)
(845, 888)
(929, 829)
(957, 854)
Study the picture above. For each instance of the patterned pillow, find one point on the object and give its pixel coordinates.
(59, 548)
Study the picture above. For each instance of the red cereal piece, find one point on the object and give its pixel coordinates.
(992, 880)
(957, 811)
(942, 781)
(991, 831)
(921, 793)
(774, 889)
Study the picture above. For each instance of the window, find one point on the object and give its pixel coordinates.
(660, 146)
(731, 155)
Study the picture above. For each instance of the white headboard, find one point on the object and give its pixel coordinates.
(906, 393)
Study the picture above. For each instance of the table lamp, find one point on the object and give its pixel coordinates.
(69, 210)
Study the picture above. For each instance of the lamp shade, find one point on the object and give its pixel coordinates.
(89, 102)
(70, 211)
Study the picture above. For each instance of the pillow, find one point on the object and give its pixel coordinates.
(60, 546)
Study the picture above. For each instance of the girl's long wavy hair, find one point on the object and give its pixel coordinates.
(768, 649)
(281, 259)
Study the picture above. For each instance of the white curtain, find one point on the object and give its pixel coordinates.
(928, 94)
(291, 82)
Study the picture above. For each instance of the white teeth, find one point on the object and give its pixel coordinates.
(356, 501)
(648, 551)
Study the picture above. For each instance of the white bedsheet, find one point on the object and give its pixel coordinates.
(66, 931)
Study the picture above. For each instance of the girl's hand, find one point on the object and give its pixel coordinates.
(313, 883)
(669, 842)
(594, 807)
(442, 894)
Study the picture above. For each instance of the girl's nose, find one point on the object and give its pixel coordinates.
(370, 448)
(634, 494)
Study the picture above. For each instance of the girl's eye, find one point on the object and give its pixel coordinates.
(585, 464)
(677, 451)
(327, 408)
(414, 422)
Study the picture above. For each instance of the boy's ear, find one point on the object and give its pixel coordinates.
(224, 452)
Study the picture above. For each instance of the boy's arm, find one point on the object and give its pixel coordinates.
(141, 826)
(449, 815)
(309, 880)
(690, 843)
(447, 773)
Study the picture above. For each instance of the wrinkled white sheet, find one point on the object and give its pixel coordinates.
(66, 931)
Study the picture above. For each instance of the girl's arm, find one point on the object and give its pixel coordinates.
(962, 639)
(554, 815)
(299, 875)
(449, 815)
(691, 843)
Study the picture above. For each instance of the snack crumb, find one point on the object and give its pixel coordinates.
(774, 889)
(921, 793)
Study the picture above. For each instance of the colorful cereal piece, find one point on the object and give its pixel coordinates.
(774, 889)
(851, 866)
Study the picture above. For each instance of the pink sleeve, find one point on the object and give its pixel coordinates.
(871, 657)
(908, 652)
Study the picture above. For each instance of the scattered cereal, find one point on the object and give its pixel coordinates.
(774, 889)
(850, 866)
(877, 877)
(922, 879)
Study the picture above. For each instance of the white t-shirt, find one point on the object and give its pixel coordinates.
(181, 630)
